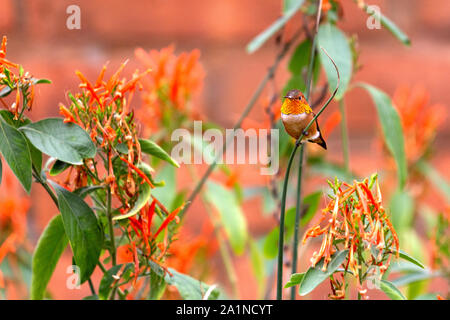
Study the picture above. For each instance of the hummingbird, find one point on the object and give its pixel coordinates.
(296, 114)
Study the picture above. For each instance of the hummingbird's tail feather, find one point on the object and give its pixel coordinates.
(320, 141)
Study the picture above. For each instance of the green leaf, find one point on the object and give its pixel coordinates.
(403, 267)
(151, 148)
(298, 66)
(290, 8)
(190, 288)
(300, 58)
(436, 178)
(36, 155)
(389, 25)
(83, 192)
(391, 290)
(427, 296)
(14, 148)
(82, 228)
(295, 279)
(231, 215)
(392, 130)
(257, 261)
(311, 203)
(413, 278)
(167, 193)
(59, 167)
(48, 250)
(402, 210)
(108, 280)
(270, 248)
(337, 46)
(67, 142)
(315, 276)
(5, 92)
(42, 81)
(143, 197)
(122, 148)
(407, 257)
(157, 286)
(289, 5)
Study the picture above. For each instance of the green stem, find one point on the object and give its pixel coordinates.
(91, 286)
(44, 183)
(111, 227)
(360, 269)
(101, 267)
(281, 234)
(344, 133)
(297, 219)
(302, 149)
(109, 216)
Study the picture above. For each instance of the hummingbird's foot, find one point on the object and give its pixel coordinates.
(298, 143)
(305, 133)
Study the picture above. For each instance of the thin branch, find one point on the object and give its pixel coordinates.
(302, 150)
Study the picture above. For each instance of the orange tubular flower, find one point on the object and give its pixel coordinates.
(326, 5)
(355, 220)
(13, 219)
(171, 84)
(166, 221)
(420, 120)
(14, 78)
(184, 250)
(68, 117)
(138, 171)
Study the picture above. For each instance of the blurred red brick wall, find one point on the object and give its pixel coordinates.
(111, 30)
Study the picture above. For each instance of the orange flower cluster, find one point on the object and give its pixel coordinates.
(104, 110)
(326, 6)
(13, 213)
(22, 82)
(171, 85)
(420, 120)
(355, 220)
(182, 253)
(141, 236)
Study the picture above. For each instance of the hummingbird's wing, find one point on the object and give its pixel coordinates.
(295, 125)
